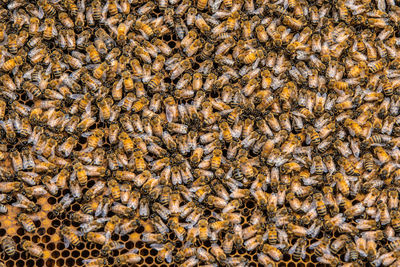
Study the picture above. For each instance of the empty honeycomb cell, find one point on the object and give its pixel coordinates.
(41, 231)
(55, 223)
(75, 254)
(129, 245)
(65, 253)
(60, 246)
(85, 253)
(153, 252)
(60, 262)
(50, 246)
(79, 261)
(144, 252)
(30, 263)
(139, 245)
(51, 200)
(70, 262)
(20, 231)
(20, 263)
(94, 253)
(35, 238)
(76, 207)
(286, 257)
(55, 254)
(149, 260)
(50, 262)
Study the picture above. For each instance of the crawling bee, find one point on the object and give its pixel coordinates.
(70, 236)
(32, 248)
(8, 245)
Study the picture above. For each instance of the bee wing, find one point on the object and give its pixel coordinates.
(378, 216)
(293, 248)
(134, 250)
(303, 252)
(99, 210)
(310, 230)
(315, 244)
(168, 258)
(105, 10)
(40, 12)
(42, 27)
(347, 255)
(108, 236)
(66, 241)
(157, 246)
(54, 31)
(313, 167)
(19, 205)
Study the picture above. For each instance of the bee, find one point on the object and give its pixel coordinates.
(342, 184)
(272, 251)
(47, 7)
(93, 54)
(8, 245)
(81, 174)
(95, 237)
(126, 142)
(298, 250)
(32, 248)
(128, 258)
(164, 252)
(202, 4)
(377, 65)
(94, 190)
(64, 203)
(216, 159)
(10, 64)
(69, 235)
(348, 167)
(26, 222)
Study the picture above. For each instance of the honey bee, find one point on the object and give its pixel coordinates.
(32, 248)
(81, 174)
(8, 245)
(129, 258)
(93, 54)
(47, 7)
(164, 251)
(26, 222)
(95, 237)
(10, 64)
(69, 236)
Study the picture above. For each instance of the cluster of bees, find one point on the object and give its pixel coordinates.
(181, 112)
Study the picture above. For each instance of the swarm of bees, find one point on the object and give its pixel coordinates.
(268, 128)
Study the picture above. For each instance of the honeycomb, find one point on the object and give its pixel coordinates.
(199, 133)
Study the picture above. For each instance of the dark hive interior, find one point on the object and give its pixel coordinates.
(199, 133)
